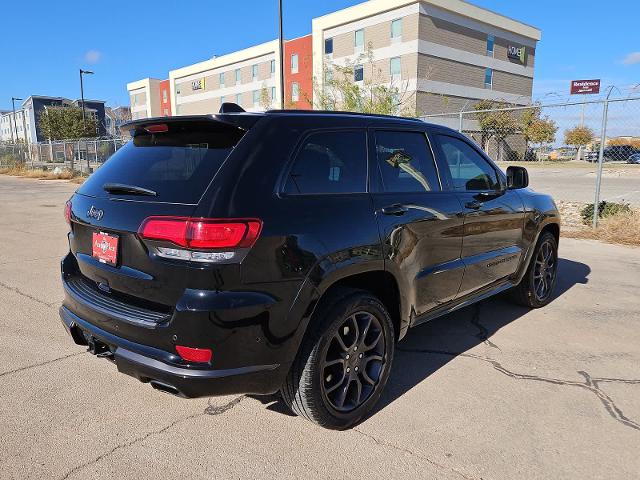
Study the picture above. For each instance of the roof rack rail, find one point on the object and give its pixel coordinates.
(338, 112)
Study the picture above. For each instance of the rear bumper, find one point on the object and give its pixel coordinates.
(151, 365)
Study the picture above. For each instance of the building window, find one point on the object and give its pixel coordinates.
(295, 91)
(273, 67)
(328, 46)
(256, 98)
(238, 76)
(358, 41)
(254, 72)
(221, 79)
(164, 96)
(488, 78)
(396, 28)
(358, 73)
(490, 42)
(222, 100)
(294, 63)
(166, 112)
(273, 93)
(239, 98)
(395, 68)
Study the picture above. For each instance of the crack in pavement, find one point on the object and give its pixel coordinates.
(209, 410)
(412, 453)
(483, 332)
(591, 383)
(217, 410)
(21, 369)
(26, 295)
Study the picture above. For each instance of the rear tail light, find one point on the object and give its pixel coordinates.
(191, 354)
(222, 236)
(67, 212)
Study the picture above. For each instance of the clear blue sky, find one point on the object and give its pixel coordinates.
(124, 41)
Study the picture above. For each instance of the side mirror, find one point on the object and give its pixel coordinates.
(517, 177)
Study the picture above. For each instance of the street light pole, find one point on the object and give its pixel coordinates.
(281, 47)
(84, 120)
(15, 122)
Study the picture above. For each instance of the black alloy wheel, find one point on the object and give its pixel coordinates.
(353, 362)
(544, 273)
(536, 287)
(344, 361)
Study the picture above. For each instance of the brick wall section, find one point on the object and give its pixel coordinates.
(142, 98)
(510, 83)
(449, 71)
(303, 48)
(452, 35)
(343, 45)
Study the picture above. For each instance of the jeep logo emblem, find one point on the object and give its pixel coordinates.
(94, 212)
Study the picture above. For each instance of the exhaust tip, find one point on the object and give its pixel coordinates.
(163, 387)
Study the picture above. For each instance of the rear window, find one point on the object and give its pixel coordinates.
(178, 165)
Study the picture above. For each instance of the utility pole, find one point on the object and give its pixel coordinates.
(281, 47)
(84, 120)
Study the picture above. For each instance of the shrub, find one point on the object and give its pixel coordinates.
(605, 209)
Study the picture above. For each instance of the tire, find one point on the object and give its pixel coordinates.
(528, 292)
(313, 388)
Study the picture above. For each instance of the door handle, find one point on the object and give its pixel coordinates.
(395, 210)
(473, 205)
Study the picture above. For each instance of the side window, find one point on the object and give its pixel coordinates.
(330, 162)
(405, 162)
(469, 170)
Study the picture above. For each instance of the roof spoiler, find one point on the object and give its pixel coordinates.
(242, 122)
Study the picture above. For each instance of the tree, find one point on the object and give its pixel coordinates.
(374, 94)
(495, 122)
(536, 129)
(265, 99)
(63, 123)
(578, 137)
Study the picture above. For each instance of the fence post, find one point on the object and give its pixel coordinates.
(603, 137)
(460, 122)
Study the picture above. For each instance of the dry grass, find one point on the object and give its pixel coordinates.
(623, 229)
(21, 171)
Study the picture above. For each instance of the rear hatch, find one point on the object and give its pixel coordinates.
(163, 171)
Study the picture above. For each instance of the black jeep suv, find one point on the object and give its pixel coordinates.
(289, 251)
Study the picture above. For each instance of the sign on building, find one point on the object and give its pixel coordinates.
(198, 84)
(581, 87)
(517, 53)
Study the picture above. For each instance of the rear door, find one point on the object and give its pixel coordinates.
(164, 170)
(493, 215)
(420, 224)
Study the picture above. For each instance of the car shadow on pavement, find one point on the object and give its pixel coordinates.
(451, 335)
(460, 331)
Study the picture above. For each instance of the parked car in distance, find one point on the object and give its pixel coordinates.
(591, 156)
(618, 153)
(289, 251)
(634, 159)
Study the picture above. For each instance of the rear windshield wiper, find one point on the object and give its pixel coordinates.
(130, 189)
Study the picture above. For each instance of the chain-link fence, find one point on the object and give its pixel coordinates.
(569, 131)
(75, 155)
(564, 131)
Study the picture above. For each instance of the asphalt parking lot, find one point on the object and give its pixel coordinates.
(494, 391)
(576, 181)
